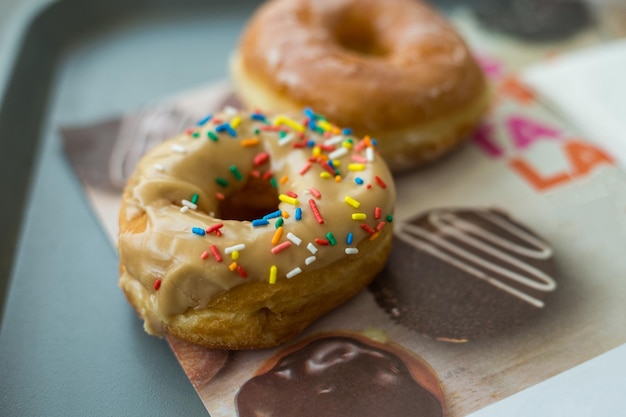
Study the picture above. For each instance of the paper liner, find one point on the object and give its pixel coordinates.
(523, 160)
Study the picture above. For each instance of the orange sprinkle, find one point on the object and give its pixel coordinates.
(249, 142)
(284, 179)
(375, 235)
(219, 196)
(277, 235)
(233, 266)
(284, 214)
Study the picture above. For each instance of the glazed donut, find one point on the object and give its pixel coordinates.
(392, 68)
(239, 233)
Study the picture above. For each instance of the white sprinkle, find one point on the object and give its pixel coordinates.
(311, 247)
(184, 209)
(231, 249)
(293, 272)
(285, 140)
(310, 260)
(295, 239)
(351, 251)
(230, 111)
(189, 204)
(395, 312)
(212, 213)
(369, 154)
(338, 153)
(178, 148)
(159, 167)
(334, 140)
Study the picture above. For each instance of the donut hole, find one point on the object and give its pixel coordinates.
(357, 35)
(254, 200)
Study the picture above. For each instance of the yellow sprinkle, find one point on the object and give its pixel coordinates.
(284, 214)
(317, 151)
(283, 120)
(232, 266)
(346, 144)
(325, 175)
(356, 167)
(234, 255)
(284, 179)
(375, 236)
(354, 203)
(235, 122)
(277, 235)
(336, 163)
(359, 216)
(249, 142)
(273, 274)
(289, 200)
(338, 178)
(325, 125)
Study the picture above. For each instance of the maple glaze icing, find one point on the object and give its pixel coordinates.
(170, 257)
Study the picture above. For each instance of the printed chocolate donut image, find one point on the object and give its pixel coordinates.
(461, 274)
(342, 375)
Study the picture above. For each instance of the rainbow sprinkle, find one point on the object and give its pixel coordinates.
(336, 156)
(273, 274)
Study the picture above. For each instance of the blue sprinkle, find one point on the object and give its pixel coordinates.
(205, 119)
(308, 112)
(310, 143)
(349, 239)
(299, 213)
(346, 131)
(273, 215)
(198, 231)
(226, 127)
(374, 142)
(312, 124)
(332, 164)
(358, 180)
(260, 222)
(258, 116)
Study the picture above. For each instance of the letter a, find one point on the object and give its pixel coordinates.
(525, 131)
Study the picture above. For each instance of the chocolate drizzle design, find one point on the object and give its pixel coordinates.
(337, 376)
(458, 275)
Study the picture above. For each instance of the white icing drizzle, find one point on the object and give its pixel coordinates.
(483, 242)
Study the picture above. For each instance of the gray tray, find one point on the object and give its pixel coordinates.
(69, 343)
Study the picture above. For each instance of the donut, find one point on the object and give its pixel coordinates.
(239, 233)
(394, 69)
(342, 374)
(464, 274)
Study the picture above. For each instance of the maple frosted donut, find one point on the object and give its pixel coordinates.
(393, 69)
(239, 233)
